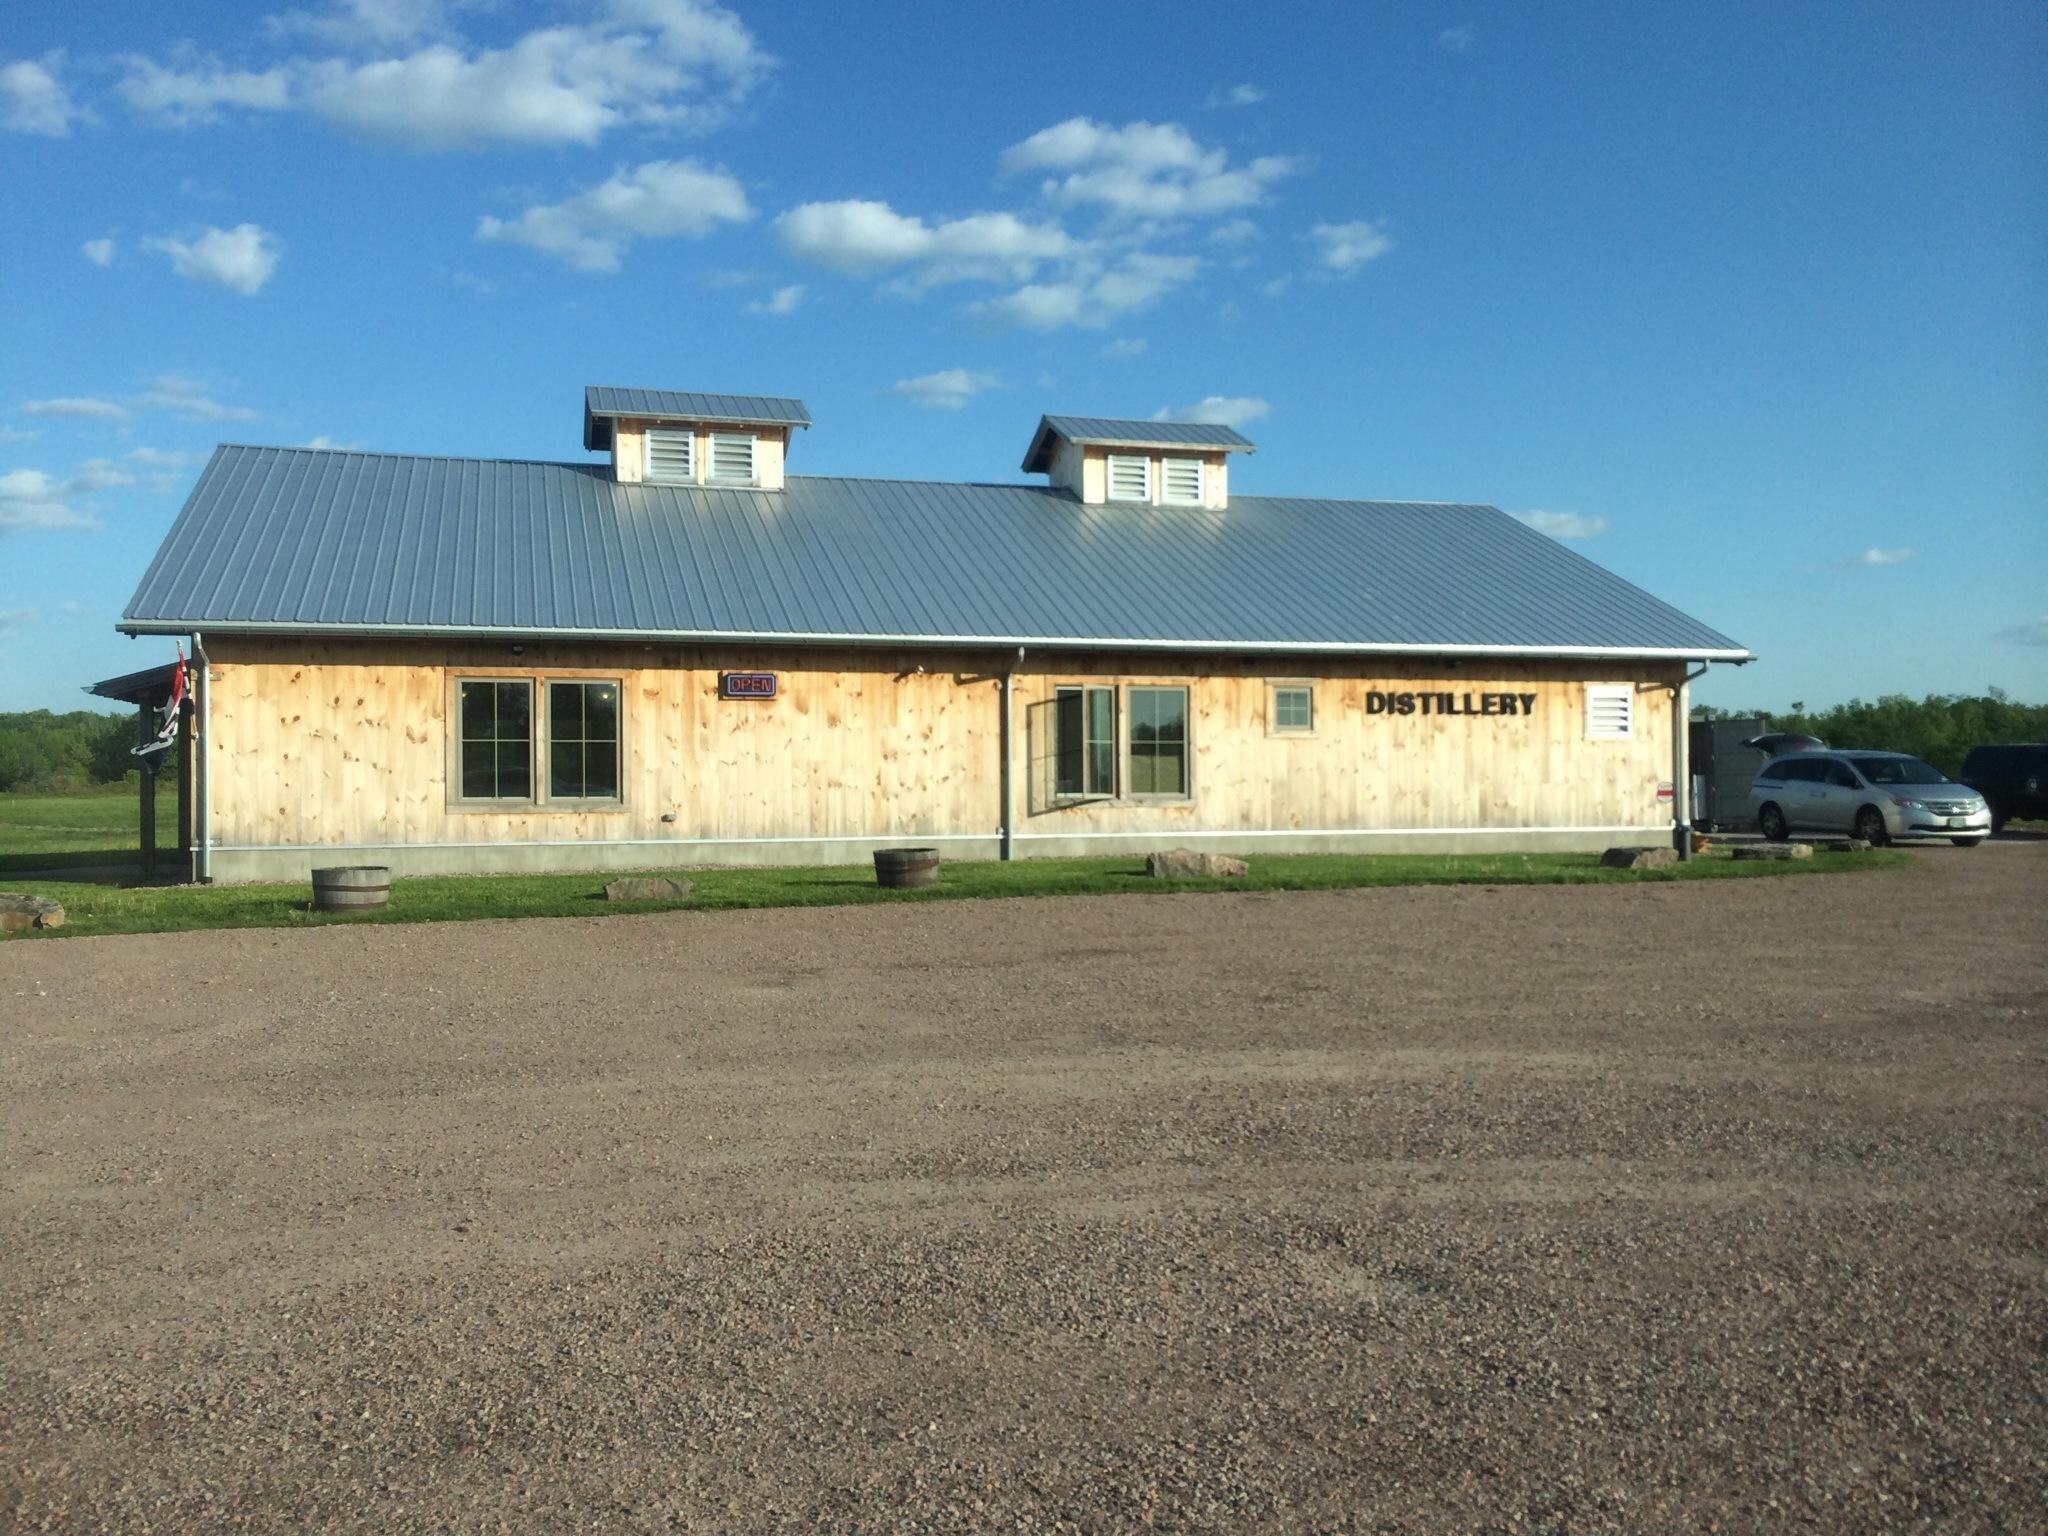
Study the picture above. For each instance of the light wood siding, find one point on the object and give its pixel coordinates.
(629, 451)
(346, 742)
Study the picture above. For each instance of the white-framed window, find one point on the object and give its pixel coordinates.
(671, 455)
(1610, 711)
(1084, 743)
(1294, 709)
(732, 458)
(1130, 477)
(1180, 482)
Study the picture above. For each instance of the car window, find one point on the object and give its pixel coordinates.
(1899, 770)
(1840, 776)
(1802, 770)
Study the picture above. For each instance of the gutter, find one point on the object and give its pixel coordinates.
(202, 765)
(1009, 741)
(506, 635)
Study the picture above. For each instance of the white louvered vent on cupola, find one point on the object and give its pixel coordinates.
(669, 437)
(1103, 460)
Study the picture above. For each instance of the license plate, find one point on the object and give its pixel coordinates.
(1959, 821)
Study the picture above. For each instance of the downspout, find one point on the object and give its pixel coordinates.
(202, 765)
(1681, 762)
(1009, 737)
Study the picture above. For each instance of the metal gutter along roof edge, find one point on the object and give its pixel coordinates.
(134, 627)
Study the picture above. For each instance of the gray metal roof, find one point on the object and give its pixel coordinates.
(306, 540)
(1129, 434)
(601, 403)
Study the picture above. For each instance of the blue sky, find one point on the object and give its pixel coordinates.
(1746, 301)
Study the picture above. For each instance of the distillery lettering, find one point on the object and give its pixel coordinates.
(1496, 704)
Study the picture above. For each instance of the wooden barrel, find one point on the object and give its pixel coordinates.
(351, 888)
(906, 869)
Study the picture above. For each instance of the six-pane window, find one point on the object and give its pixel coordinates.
(497, 739)
(1181, 481)
(1084, 741)
(732, 457)
(583, 741)
(1294, 707)
(671, 455)
(1159, 741)
(1130, 477)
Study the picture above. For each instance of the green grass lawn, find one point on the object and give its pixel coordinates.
(103, 909)
(101, 827)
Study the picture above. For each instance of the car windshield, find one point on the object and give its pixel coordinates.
(1898, 770)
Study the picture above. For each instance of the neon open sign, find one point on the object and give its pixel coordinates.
(746, 685)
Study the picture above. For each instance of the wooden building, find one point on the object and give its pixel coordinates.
(679, 654)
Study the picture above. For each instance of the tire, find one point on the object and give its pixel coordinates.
(1771, 822)
(1997, 821)
(1966, 842)
(1870, 826)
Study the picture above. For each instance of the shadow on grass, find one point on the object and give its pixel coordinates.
(92, 858)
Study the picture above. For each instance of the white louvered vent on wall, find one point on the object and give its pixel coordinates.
(732, 457)
(1129, 478)
(1182, 482)
(1610, 711)
(671, 455)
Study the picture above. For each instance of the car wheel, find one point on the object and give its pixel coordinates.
(1772, 821)
(1966, 842)
(1997, 821)
(1870, 826)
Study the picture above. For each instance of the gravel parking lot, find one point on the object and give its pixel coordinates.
(1661, 1207)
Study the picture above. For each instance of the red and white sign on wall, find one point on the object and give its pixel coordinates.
(746, 685)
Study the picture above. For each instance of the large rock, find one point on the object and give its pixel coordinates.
(19, 913)
(646, 888)
(1639, 858)
(1186, 864)
(1774, 851)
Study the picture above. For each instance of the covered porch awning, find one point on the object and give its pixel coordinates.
(149, 690)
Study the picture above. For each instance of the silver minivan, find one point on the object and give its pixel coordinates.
(1876, 796)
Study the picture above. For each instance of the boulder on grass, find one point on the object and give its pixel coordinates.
(1187, 864)
(19, 913)
(646, 888)
(1774, 851)
(1639, 858)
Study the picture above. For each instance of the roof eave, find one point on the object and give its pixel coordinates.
(932, 642)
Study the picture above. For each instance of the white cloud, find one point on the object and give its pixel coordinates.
(1883, 557)
(20, 434)
(659, 64)
(1236, 96)
(1563, 525)
(1456, 39)
(99, 252)
(1278, 285)
(29, 498)
(1347, 247)
(185, 397)
(864, 239)
(34, 100)
(195, 94)
(241, 258)
(783, 301)
(1142, 170)
(661, 199)
(947, 390)
(80, 408)
(158, 458)
(1234, 232)
(2034, 632)
(323, 441)
(1094, 297)
(1217, 410)
(1130, 346)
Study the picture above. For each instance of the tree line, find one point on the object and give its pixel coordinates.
(1940, 728)
(46, 753)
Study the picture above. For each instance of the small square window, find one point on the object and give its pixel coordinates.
(1610, 712)
(1181, 482)
(732, 458)
(1130, 477)
(1294, 709)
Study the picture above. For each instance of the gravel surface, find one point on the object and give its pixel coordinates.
(1648, 1208)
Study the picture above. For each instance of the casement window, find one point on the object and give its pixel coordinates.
(1180, 482)
(1294, 709)
(583, 740)
(1084, 743)
(1159, 741)
(671, 455)
(537, 741)
(1610, 711)
(1130, 477)
(496, 755)
(732, 458)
